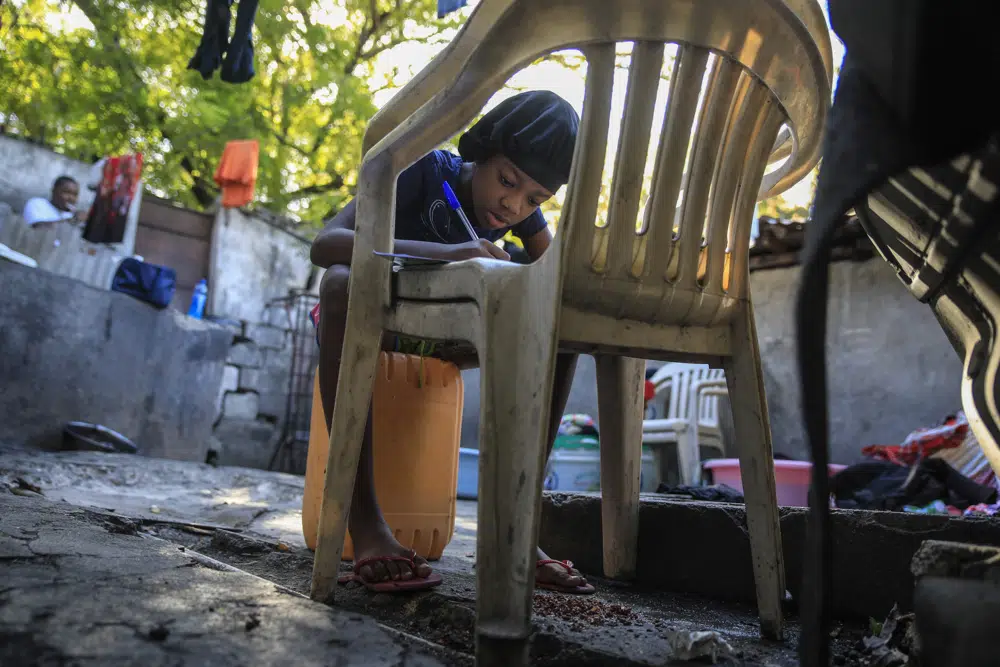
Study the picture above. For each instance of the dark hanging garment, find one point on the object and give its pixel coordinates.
(216, 50)
(237, 65)
(893, 109)
(214, 38)
(108, 216)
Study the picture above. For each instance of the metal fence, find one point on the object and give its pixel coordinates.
(293, 445)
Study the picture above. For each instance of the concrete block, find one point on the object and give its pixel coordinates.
(703, 548)
(245, 355)
(246, 442)
(935, 558)
(268, 336)
(274, 380)
(249, 379)
(240, 405)
(230, 382)
(230, 378)
(273, 404)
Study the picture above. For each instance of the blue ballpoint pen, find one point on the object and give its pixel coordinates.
(449, 194)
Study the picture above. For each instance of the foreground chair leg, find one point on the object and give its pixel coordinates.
(516, 374)
(358, 365)
(619, 398)
(753, 437)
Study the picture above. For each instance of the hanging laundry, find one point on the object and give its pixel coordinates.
(237, 173)
(216, 50)
(108, 215)
(446, 7)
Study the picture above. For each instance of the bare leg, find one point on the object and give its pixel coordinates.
(565, 367)
(369, 531)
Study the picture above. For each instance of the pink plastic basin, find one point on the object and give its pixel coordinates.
(791, 478)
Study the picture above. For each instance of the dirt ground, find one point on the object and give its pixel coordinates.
(251, 519)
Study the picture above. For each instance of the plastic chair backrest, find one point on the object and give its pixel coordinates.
(762, 63)
(678, 378)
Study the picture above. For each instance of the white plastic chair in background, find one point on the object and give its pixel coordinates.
(689, 394)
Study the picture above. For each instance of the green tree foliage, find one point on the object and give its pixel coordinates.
(121, 84)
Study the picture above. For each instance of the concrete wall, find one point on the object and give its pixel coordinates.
(253, 262)
(72, 352)
(891, 368)
(28, 170)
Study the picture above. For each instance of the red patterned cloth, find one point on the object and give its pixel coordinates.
(108, 215)
(923, 442)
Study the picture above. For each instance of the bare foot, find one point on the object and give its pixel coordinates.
(558, 575)
(375, 540)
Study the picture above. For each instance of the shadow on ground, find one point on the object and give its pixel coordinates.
(251, 520)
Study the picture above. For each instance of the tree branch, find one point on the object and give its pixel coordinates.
(204, 191)
(316, 189)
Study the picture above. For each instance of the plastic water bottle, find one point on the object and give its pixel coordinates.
(198, 299)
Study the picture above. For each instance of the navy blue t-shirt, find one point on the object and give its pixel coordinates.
(423, 214)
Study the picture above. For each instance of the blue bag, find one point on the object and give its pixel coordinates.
(147, 282)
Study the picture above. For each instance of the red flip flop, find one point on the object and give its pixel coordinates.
(582, 589)
(390, 586)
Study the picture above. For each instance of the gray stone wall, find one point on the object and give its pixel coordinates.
(71, 352)
(252, 399)
(890, 367)
(254, 260)
(28, 170)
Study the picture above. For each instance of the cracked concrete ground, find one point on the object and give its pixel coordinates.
(250, 519)
(81, 589)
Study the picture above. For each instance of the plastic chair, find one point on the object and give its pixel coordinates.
(690, 417)
(691, 414)
(609, 290)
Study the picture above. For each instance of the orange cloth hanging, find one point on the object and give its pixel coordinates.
(237, 173)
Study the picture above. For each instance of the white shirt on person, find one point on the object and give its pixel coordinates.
(40, 209)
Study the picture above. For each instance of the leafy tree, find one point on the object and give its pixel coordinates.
(121, 84)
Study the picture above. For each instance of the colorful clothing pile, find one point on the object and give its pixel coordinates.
(923, 442)
(577, 425)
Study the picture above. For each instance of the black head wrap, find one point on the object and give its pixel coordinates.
(535, 130)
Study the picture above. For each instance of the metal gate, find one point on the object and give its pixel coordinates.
(293, 445)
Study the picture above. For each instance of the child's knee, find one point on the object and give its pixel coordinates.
(333, 286)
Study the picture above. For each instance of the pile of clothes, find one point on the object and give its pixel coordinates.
(939, 470)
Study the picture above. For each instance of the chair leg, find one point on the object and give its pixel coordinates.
(358, 365)
(753, 433)
(687, 457)
(516, 376)
(619, 399)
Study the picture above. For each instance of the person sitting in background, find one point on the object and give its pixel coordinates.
(60, 207)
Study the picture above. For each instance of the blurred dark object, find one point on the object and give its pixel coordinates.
(96, 438)
(893, 112)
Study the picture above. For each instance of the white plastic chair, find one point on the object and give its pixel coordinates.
(605, 289)
(690, 415)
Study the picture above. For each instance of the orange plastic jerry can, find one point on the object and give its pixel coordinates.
(416, 430)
